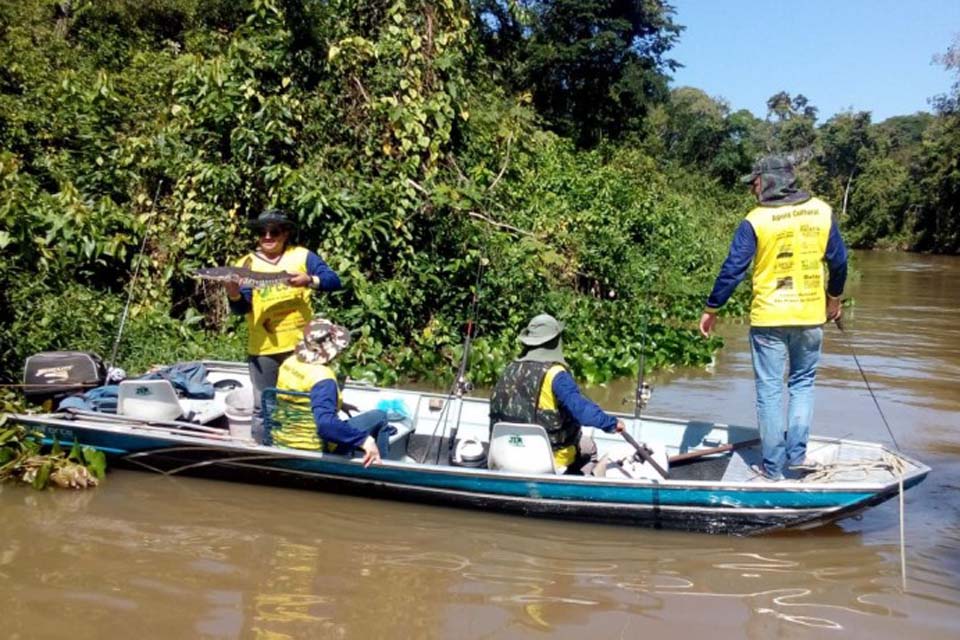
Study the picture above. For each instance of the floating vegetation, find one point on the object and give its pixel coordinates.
(21, 458)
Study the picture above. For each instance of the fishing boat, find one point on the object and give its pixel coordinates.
(443, 452)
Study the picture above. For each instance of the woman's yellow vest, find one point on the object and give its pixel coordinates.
(278, 314)
(297, 428)
(789, 283)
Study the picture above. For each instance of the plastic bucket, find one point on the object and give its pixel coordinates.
(239, 411)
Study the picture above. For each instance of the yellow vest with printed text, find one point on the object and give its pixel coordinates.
(566, 455)
(278, 313)
(297, 428)
(789, 278)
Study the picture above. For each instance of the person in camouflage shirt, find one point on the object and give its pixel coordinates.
(537, 388)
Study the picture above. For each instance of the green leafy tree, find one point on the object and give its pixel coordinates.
(594, 67)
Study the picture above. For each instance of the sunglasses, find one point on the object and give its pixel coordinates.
(271, 232)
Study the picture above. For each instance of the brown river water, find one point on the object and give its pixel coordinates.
(147, 556)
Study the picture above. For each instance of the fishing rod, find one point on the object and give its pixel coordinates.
(839, 322)
(642, 395)
(133, 281)
(461, 385)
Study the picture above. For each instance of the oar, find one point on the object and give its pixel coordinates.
(645, 454)
(733, 446)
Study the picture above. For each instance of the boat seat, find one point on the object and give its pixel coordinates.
(148, 400)
(520, 448)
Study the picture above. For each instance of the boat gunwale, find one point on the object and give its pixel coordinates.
(114, 426)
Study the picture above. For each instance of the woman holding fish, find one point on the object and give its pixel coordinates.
(276, 314)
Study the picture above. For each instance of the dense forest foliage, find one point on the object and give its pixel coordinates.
(529, 152)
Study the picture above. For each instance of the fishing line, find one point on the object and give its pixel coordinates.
(133, 281)
(903, 552)
(863, 375)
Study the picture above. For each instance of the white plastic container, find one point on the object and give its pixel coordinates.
(239, 411)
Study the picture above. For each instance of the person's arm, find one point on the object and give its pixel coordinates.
(239, 298)
(743, 247)
(734, 268)
(322, 277)
(330, 428)
(836, 257)
(583, 409)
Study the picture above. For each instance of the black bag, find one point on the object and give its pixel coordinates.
(55, 373)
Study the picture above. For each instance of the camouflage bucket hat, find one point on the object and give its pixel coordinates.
(322, 341)
(542, 329)
(771, 166)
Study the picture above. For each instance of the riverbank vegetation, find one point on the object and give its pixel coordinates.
(529, 152)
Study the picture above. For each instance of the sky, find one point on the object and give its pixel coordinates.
(868, 55)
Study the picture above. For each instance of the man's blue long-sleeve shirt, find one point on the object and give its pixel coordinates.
(326, 277)
(743, 248)
(330, 428)
(584, 411)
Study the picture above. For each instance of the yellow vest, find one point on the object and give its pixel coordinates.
(297, 428)
(565, 456)
(789, 281)
(278, 314)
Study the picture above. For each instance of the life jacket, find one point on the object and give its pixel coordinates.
(524, 394)
(789, 281)
(297, 428)
(277, 314)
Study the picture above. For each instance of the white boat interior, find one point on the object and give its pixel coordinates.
(426, 422)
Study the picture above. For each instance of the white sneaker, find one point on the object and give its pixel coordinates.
(761, 476)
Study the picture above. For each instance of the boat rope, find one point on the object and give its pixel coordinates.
(133, 281)
(863, 375)
(861, 469)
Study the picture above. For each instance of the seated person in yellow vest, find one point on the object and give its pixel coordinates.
(537, 388)
(307, 371)
(276, 316)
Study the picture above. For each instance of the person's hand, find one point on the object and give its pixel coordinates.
(300, 280)
(621, 426)
(233, 289)
(707, 320)
(371, 454)
(834, 309)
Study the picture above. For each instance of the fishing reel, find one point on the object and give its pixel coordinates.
(643, 394)
(464, 386)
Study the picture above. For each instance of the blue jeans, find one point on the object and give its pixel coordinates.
(772, 348)
(375, 424)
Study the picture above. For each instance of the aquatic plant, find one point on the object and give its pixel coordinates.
(21, 458)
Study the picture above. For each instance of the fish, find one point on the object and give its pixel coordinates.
(243, 276)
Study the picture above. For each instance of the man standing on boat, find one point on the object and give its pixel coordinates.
(320, 427)
(788, 237)
(277, 315)
(538, 388)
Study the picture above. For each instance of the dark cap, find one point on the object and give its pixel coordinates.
(774, 165)
(273, 217)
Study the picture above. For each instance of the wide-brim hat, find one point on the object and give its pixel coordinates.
(775, 165)
(540, 330)
(273, 217)
(322, 341)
